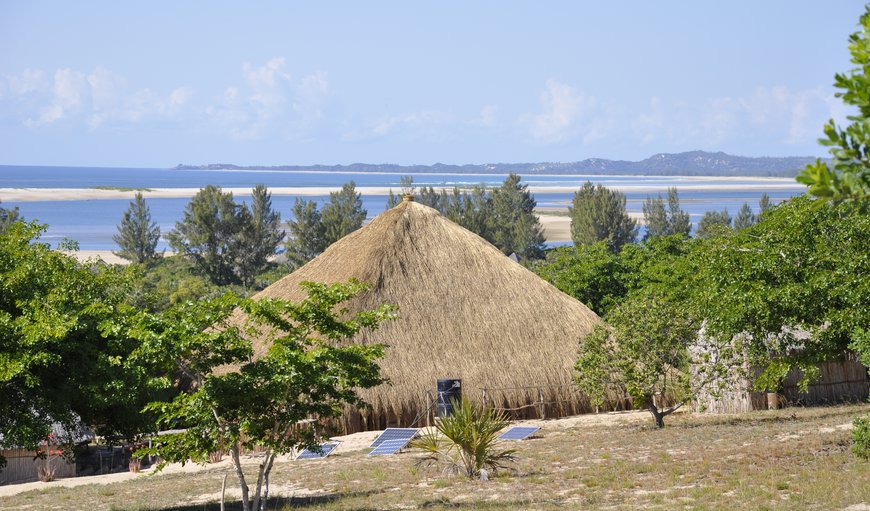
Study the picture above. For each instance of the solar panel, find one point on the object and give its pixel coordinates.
(309, 454)
(395, 434)
(390, 447)
(518, 433)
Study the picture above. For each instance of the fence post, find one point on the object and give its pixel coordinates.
(485, 403)
(541, 401)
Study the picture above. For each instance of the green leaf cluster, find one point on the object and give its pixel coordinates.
(598, 214)
(847, 177)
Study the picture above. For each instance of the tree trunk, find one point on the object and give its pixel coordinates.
(223, 491)
(246, 504)
(657, 415)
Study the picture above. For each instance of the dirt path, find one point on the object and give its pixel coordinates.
(349, 443)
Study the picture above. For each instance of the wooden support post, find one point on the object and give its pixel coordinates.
(541, 401)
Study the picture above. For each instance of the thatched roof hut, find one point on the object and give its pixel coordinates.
(465, 311)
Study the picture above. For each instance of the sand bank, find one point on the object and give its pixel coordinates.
(70, 194)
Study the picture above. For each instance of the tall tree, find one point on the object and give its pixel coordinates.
(343, 214)
(7, 217)
(306, 239)
(848, 176)
(137, 235)
(598, 214)
(713, 222)
(655, 217)
(665, 222)
(261, 236)
(745, 217)
(514, 226)
(208, 234)
(764, 203)
(678, 220)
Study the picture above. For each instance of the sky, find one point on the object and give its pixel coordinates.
(157, 83)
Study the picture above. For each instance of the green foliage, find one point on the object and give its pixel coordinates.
(647, 356)
(713, 223)
(745, 217)
(137, 235)
(803, 266)
(861, 437)
(848, 176)
(407, 188)
(227, 242)
(7, 217)
(598, 214)
(514, 226)
(764, 202)
(343, 214)
(260, 237)
(592, 274)
(60, 362)
(601, 278)
(208, 234)
(309, 372)
(467, 441)
(307, 238)
(665, 222)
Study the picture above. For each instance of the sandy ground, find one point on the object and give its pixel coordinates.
(57, 194)
(349, 443)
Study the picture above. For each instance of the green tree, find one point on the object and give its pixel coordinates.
(678, 220)
(274, 403)
(745, 217)
(467, 441)
(712, 223)
(848, 175)
(763, 203)
(514, 227)
(592, 274)
(655, 217)
(646, 356)
(260, 237)
(209, 234)
(801, 267)
(307, 238)
(137, 235)
(7, 217)
(343, 214)
(598, 214)
(473, 210)
(433, 199)
(59, 361)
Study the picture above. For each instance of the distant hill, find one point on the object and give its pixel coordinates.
(692, 163)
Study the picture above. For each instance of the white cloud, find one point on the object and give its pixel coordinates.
(425, 124)
(271, 103)
(565, 114)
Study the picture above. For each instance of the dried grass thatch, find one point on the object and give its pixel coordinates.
(465, 311)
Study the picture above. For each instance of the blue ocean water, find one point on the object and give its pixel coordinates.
(92, 223)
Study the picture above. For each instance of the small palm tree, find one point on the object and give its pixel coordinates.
(467, 441)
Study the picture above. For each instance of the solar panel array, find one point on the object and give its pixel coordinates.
(326, 450)
(395, 434)
(518, 433)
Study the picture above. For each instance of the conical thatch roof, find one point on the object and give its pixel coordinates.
(465, 311)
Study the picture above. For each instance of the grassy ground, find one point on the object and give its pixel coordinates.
(798, 458)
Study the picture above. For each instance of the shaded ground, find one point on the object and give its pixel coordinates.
(788, 459)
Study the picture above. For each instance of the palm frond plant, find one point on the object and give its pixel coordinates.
(466, 442)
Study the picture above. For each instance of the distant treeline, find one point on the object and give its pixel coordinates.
(693, 163)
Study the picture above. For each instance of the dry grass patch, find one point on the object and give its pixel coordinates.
(787, 459)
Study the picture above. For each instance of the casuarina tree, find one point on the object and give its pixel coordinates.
(598, 214)
(137, 235)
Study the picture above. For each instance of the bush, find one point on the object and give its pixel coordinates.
(861, 437)
(467, 441)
